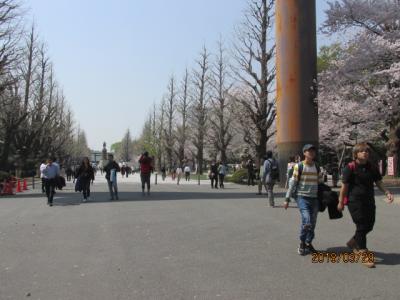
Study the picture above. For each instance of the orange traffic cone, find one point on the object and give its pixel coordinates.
(19, 190)
(25, 185)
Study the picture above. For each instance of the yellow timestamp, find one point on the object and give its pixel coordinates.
(343, 257)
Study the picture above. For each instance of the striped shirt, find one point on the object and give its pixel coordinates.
(307, 186)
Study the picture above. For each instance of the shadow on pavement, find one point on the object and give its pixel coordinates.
(68, 198)
(389, 259)
(102, 197)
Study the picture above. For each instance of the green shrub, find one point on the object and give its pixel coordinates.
(239, 177)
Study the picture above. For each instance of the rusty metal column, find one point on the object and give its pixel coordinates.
(297, 112)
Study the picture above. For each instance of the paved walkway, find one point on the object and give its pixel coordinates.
(186, 242)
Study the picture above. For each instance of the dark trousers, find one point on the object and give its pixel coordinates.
(221, 180)
(86, 188)
(50, 186)
(187, 176)
(43, 185)
(250, 179)
(363, 215)
(145, 178)
(214, 181)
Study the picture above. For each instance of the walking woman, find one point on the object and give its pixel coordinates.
(85, 175)
(359, 177)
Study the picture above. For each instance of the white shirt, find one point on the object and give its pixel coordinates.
(187, 169)
(42, 167)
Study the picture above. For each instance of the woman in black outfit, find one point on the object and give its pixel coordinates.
(85, 174)
(359, 177)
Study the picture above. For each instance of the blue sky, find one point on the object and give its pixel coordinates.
(113, 58)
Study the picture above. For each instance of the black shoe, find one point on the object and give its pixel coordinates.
(301, 250)
(352, 244)
(310, 248)
(50, 204)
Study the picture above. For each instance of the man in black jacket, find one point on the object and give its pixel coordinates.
(111, 169)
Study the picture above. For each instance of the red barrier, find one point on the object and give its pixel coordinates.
(25, 185)
(8, 188)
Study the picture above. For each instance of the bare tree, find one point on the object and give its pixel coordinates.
(159, 135)
(126, 147)
(221, 115)
(182, 128)
(10, 34)
(29, 67)
(199, 106)
(10, 114)
(35, 120)
(169, 131)
(254, 53)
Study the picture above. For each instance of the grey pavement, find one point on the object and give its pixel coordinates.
(182, 242)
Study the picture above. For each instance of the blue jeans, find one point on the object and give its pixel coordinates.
(309, 208)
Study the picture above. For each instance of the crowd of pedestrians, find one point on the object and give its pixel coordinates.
(304, 180)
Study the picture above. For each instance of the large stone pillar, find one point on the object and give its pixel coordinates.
(297, 112)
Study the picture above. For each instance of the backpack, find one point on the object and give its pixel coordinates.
(352, 167)
(274, 171)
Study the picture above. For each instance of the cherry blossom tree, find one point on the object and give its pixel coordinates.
(361, 88)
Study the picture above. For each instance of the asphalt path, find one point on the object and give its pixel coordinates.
(183, 242)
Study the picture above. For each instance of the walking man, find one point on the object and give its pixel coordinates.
(179, 174)
(270, 176)
(221, 174)
(50, 174)
(250, 172)
(187, 173)
(69, 173)
(146, 167)
(214, 175)
(111, 169)
(304, 183)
